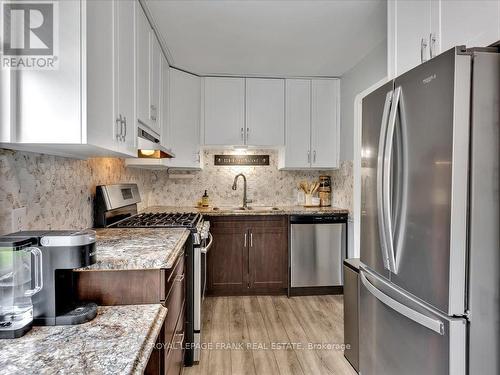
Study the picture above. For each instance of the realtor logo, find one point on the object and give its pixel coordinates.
(29, 35)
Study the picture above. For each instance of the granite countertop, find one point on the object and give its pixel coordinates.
(137, 248)
(118, 341)
(256, 210)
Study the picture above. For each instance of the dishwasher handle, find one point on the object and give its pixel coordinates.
(319, 219)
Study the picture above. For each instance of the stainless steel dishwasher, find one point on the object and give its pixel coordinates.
(318, 246)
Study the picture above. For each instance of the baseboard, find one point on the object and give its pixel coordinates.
(316, 290)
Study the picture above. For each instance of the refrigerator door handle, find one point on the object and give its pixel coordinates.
(380, 179)
(386, 199)
(430, 323)
(402, 188)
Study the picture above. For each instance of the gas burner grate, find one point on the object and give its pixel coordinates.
(160, 220)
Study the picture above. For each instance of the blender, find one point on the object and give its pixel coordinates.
(16, 290)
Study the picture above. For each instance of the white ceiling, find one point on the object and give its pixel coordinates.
(269, 37)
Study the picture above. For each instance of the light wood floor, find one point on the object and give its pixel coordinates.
(241, 332)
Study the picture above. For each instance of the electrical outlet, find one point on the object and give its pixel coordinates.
(18, 219)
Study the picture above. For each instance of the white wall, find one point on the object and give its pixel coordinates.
(371, 69)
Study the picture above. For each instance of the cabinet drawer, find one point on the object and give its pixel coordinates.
(175, 301)
(169, 276)
(175, 357)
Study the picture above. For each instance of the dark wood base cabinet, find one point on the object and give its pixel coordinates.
(249, 255)
(166, 286)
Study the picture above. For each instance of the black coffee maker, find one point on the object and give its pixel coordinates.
(62, 252)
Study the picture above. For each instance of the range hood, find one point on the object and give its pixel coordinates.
(150, 153)
(148, 146)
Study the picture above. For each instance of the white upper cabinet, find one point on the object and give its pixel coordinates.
(143, 66)
(421, 29)
(409, 34)
(224, 111)
(85, 107)
(243, 111)
(312, 124)
(297, 151)
(155, 83)
(185, 103)
(325, 100)
(125, 74)
(473, 23)
(148, 59)
(46, 107)
(265, 112)
(165, 136)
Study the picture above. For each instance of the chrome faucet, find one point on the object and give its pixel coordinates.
(245, 200)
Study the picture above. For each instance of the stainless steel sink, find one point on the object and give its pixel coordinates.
(254, 208)
(263, 208)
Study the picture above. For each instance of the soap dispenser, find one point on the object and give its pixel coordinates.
(204, 200)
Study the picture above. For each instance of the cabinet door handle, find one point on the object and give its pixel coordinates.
(248, 132)
(242, 134)
(308, 156)
(423, 47)
(245, 241)
(124, 128)
(432, 43)
(251, 239)
(119, 128)
(314, 156)
(153, 112)
(181, 338)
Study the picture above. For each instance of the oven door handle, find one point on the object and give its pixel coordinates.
(205, 249)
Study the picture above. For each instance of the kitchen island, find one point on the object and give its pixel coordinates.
(120, 340)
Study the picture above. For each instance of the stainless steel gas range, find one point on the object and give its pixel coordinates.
(116, 207)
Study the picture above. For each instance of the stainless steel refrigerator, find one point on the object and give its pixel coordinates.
(430, 253)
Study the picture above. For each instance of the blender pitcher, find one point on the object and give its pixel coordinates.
(16, 307)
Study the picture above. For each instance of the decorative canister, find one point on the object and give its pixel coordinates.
(325, 191)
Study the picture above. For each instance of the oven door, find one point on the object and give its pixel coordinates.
(199, 290)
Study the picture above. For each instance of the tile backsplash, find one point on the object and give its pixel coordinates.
(58, 192)
(267, 186)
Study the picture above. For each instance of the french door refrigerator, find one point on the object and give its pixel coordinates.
(430, 253)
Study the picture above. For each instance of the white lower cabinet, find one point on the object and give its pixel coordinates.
(72, 111)
(185, 103)
(311, 124)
